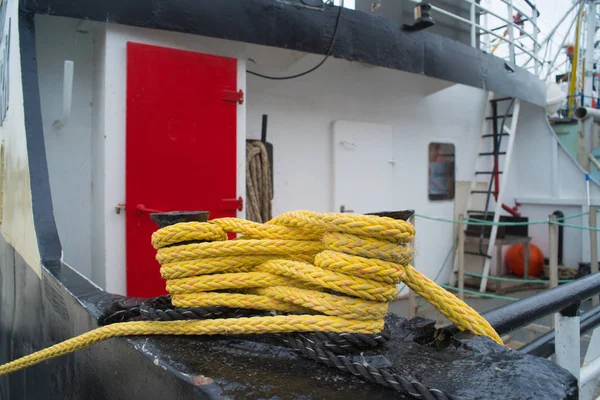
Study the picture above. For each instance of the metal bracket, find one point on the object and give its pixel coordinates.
(233, 96)
(232, 204)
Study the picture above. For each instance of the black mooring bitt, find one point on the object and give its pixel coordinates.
(175, 217)
(403, 215)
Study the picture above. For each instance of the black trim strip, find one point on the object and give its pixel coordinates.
(287, 24)
(43, 214)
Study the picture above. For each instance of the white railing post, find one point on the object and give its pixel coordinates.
(593, 246)
(567, 342)
(587, 389)
(487, 35)
(589, 54)
(473, 25)
(511, 36)
(536, 47)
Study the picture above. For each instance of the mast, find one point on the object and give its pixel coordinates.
(589, 54)
(573, 78)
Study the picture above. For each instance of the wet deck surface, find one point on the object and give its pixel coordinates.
(482, 304)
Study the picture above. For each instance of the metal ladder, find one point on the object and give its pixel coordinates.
(499, 170)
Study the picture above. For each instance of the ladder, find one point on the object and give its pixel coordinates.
(495, 151)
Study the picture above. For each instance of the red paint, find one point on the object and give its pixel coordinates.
(180, 149)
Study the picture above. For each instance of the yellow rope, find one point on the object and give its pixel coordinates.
(328, 272)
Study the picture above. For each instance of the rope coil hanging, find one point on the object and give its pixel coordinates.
(259, 190)
(300, 272)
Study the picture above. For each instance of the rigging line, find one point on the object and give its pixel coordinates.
(333, 37)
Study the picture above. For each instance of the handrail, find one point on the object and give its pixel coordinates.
(543, 346)
(523, 312)
(509, 24)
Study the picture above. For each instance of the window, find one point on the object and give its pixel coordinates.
(441, 171)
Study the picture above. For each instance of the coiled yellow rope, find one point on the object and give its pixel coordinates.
(329, 272)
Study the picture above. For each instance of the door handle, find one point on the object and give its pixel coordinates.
(143, 208)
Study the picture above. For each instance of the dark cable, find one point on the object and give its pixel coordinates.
(281, 78)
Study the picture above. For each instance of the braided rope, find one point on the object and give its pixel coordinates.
(359, 366)
(338, 271)
(252, 325)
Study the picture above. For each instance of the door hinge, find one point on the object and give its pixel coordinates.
(232, 204)
(233, 96)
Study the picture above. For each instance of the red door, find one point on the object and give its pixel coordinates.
(180, 147)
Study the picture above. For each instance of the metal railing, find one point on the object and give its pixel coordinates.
(485, 35)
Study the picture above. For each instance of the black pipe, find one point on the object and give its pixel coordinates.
(544, 345)
(268, 146)
(560, 215)
(263, 130)
(523, 312)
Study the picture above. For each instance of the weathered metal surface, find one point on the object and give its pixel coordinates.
(175, 217)
(36, 313)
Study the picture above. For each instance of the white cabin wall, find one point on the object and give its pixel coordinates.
(68, 149)
(453, 116)
(98, 241)
(17, 216)
(420, 110)
(545, 178)
(301, 114)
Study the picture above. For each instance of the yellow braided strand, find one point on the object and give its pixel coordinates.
(368, 247)
(236, 248)
(451, 306)
(208, 283)
(343, 283)
(212, 265)
(263, 231)
(368, 268)
(365, 225)
(328, 304)
(185, 232)
(254, 325)
(235, 300)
